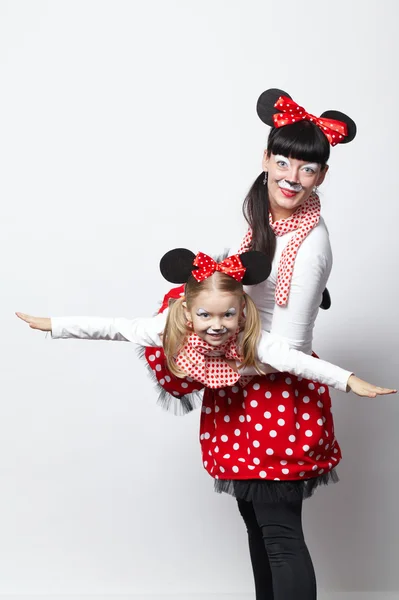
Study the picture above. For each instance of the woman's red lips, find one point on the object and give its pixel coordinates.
(288, 193)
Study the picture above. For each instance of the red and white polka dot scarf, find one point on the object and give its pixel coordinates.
(303, 220)
(206, 364)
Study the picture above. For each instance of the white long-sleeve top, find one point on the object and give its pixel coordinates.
(146, 332)
(295, 321)
(143, 331)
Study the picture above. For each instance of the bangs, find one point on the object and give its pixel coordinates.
(303, 141)
(218, 281)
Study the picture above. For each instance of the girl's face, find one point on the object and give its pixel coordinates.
(290, 182)
(215, 316)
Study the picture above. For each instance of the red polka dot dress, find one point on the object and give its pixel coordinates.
(278, 428)
(267, 440)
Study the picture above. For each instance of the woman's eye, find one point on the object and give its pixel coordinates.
(281, 163)
(228, 314)
(205, 315)
(309, 170)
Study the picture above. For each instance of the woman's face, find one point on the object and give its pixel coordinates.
(290, 182)
(215, 316)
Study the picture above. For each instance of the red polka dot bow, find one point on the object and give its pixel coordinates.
(291, 112)
(231, 266)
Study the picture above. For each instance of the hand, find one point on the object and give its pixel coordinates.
(41, 323)
(362, 388)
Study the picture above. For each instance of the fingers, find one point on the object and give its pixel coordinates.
(26, 318)
(40, 323)
(371, 391)
(23, 316)
(374, 391)
(368, 393)
(382, 391)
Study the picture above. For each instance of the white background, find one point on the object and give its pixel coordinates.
(129, 128)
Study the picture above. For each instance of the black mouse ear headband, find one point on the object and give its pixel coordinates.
(249, 268)
(276, 108)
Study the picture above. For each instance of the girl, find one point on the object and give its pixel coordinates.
(213, 332)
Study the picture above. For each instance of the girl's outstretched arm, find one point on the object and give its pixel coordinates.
(276, 352)
(145, 332)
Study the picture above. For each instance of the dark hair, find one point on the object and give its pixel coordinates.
(256, 213)
(302, 140)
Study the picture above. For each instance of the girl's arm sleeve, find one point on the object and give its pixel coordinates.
(143, 331)
(277, 353)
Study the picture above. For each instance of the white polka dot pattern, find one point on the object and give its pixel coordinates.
(334, 130)
(231, 266)
(264, 430)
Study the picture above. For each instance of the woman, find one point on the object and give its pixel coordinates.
(283, 213)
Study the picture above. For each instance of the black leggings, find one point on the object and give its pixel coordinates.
(281, 562)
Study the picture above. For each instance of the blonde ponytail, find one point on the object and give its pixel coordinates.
(175, 334)
(250, 335)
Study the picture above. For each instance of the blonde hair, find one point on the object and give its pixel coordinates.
(177, 331)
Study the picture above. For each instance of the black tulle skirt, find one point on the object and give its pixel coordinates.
(261, 490)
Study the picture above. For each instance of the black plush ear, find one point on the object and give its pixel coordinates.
(257, 265)
(326, 300)
(265, 106)
(339, 116)
(176, 265)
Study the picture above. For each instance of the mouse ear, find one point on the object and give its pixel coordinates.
(340, 116)
(326, 300)
(265, 106)
(177, 265)
(257, 265)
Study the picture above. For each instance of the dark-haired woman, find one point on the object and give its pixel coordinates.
(283, 212)
(270, 441)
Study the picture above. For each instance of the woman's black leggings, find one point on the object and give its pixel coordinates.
(281, 562)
